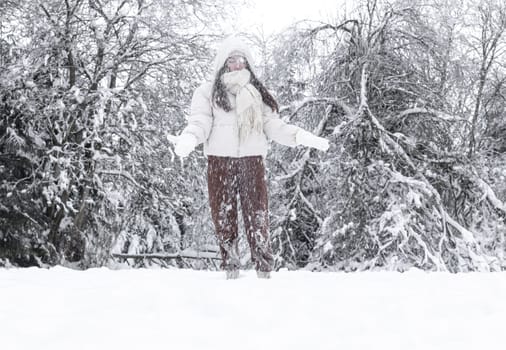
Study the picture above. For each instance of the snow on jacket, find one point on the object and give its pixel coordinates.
(219, 131)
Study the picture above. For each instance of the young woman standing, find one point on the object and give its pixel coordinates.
(234, 116)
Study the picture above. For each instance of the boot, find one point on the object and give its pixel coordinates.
(263, 274)
(232, 274)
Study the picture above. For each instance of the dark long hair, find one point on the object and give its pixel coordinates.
(219, 92)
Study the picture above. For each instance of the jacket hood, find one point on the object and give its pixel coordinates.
(228, 46)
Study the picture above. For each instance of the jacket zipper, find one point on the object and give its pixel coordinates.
(238, 136)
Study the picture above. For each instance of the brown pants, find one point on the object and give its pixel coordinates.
(228, 178)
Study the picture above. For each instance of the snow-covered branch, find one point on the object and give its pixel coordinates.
(432, 112)
(126, 175)
(490, 195)
(311, 101)
(183, 255)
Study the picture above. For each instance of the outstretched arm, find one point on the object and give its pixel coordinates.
(276, 129)
(200, 120)
(290, 135)
(199, 125)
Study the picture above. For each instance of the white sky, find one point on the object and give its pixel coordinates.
(272, 16)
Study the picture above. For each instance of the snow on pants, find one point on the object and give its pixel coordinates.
(229, 178)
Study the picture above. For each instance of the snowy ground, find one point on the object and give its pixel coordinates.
(181, 309)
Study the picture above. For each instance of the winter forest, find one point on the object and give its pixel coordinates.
(410, 94)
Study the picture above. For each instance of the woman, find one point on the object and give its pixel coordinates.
(234, 116)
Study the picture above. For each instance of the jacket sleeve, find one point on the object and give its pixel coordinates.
(200, 120)
(276, 129)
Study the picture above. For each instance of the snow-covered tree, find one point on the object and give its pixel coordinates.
(397, 190)
(89, 90)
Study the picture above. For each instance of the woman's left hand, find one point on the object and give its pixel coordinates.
(305, 138)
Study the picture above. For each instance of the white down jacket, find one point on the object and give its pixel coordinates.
(219, 131)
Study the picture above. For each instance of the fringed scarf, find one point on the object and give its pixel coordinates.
(248, 102)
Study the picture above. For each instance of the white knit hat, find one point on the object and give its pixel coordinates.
(232, 44)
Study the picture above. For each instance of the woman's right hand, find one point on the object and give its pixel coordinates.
(184, 144)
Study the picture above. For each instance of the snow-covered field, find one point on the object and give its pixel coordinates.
(182, 309)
